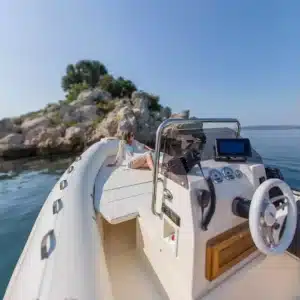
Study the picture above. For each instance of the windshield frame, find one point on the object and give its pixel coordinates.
(159, 134)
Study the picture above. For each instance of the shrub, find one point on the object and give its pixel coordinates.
(70, 123)
(154, 103)
(56, 119)
(18, 120)
(168, 111)
(61, 102)
(119, 87)
(106, 106)
(75, 90)
(32, 115)
(107, 83)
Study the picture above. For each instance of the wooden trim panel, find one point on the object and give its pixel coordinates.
(227, 249)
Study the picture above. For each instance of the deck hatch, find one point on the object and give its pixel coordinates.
(228, 249)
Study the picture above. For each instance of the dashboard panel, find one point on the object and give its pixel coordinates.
(230, 180)
(218, 175)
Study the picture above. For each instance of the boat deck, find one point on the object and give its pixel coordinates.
(268, 277)
(130, 274)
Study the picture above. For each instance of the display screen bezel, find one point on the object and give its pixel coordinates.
(247, 148)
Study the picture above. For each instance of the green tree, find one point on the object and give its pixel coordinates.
(125, 87)
(84, 71)
(168, 111)
(107, 83)
(119, 87)
(154, 104)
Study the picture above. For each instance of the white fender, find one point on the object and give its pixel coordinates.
(76, 267)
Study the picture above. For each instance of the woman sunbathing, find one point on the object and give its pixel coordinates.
(130, 150)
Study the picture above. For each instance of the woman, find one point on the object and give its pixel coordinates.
(131, 151)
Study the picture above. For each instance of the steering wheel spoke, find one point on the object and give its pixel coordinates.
(269, 236)
(282, 211)
(276, 198)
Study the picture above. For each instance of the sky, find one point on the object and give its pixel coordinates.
(218, 58)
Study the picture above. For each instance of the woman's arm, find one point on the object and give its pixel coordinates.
(148, 148)
(142, 146)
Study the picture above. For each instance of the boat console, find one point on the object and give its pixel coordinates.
(215, 205)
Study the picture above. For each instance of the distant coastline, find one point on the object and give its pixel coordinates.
(271, 127)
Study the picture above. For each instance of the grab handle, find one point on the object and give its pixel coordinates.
(70, 169)
(63, 184)
(57, 206)
(48, 244)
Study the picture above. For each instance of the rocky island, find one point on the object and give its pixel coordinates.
(96, 105)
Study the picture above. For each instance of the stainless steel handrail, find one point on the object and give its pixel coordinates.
(159, 132)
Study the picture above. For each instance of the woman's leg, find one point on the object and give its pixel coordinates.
(149, 161)
(138, 162)
(143, 161)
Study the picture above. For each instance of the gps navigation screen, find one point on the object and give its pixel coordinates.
(233, 147)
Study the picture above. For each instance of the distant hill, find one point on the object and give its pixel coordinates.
(271, 127)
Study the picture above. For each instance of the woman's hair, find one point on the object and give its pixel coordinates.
(126, 135)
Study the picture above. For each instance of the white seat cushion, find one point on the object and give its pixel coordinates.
(119, 192)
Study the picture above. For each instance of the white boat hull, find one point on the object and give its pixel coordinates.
(72, 270)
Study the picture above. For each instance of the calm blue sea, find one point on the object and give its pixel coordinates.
(24, 190)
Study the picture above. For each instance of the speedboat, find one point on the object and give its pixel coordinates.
(210, 222)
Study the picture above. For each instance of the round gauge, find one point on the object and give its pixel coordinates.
(228, 173)
(238, 174)
(216, 176)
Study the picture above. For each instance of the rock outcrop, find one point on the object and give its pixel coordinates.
(91, 96)
(40, 122)
(13, 139)
(182, 115)
(65, 127)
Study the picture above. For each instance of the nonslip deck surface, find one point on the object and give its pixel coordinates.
(270, 277)
(131, 277)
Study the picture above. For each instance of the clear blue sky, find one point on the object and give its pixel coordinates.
(219, 58)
